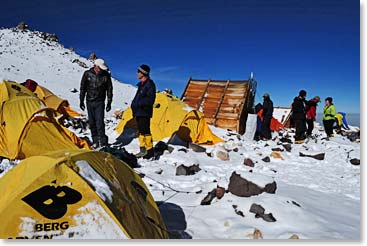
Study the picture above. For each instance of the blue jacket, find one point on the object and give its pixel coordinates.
(142, 104)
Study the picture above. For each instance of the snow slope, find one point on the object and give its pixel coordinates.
(314, 199)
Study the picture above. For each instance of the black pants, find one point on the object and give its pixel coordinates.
(96, 122)
(328, 125)
(309, 127)
(300, 129)
(266, 133)
(143, 125)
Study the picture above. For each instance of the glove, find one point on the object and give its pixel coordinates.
(108, 107)
(82, 106)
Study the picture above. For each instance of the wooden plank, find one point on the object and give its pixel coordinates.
(220, 103)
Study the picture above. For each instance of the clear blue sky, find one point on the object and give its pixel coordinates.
(288, 44)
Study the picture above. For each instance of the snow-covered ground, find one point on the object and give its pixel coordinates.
(314, 199)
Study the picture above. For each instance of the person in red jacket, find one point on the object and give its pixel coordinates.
(311, 114)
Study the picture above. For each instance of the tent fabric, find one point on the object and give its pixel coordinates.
(52, 195)
(195, 129)
(168, 115)
(55, 102)
(28, 127)
(275, 125)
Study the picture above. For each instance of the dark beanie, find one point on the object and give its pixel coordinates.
(144, 69)
(330, 99)
(302, 93)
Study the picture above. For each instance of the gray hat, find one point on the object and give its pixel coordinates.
(266, 95)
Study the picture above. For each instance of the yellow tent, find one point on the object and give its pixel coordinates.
(76, 193)
(55, 102)
(168, 114)
(27, 127)
(195, 129)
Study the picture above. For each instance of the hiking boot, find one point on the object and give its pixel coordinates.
(149, 154)
(142, 152)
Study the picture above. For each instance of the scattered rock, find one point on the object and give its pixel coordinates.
(160, 171)
(270, 188)
(320, 156)
(277, 149)
(287, 147)
(183, 150)
(74, 90)
(22, 26)
(208, 198)
(92, 56)
(80, 63)
(244, 188)
(196, 147)
(248, 162)
(222, 155)
(72, 49)
(259, 212)
(269, 217)
(266, 159)
(184, 170)
(235, 149)
(355, 161)
(257, 209)
(296, 204)
(219, 192)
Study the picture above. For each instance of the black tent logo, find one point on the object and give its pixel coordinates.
(52, 202)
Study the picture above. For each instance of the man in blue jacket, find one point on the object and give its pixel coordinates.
(142, 107)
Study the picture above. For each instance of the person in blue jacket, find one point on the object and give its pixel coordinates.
(142, 108)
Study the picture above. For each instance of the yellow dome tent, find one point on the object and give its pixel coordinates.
(28, 127)
(55, 102)
(194, 129)
(76, 193)
(168, 114)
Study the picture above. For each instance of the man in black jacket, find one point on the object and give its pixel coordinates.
(95, 85)
(299, 116)
(142, 107)
(267, 115)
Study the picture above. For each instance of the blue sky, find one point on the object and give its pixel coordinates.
(288, 44)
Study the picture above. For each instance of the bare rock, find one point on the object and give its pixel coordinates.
(208, 198)
(248, 162)
(241, 187)
(270, 188)
(277, 149)
(287, 147)
(22, 26)
(196, 147)
(257, 209)
(266, 159)
(320, 156)
(219, 192)
(184, 170)
(222, 155)
(355, 161)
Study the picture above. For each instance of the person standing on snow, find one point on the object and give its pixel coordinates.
(299, 116)
(267, 115)
(95, 85)
(311, 114)
(328, 118)
(142, 108)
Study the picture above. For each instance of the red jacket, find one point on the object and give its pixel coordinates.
(311, 110)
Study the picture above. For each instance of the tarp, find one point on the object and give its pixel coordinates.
(169, 113)
(68, 194)
(28, 127)
(55, 102)
(275, 125)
